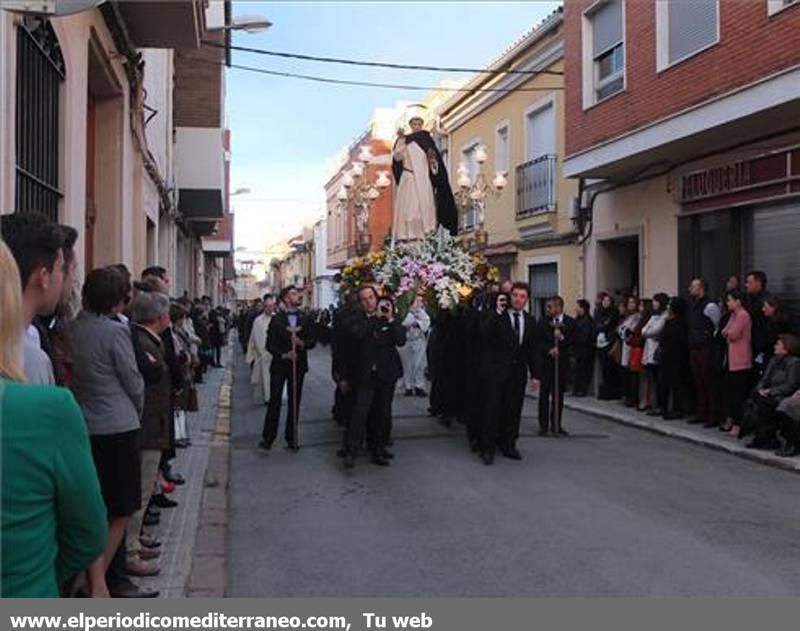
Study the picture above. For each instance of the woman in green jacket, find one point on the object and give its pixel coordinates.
(54, 524)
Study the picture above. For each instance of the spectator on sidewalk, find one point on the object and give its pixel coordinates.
(627, 332)
(53, 518)
(110, 391)
(788, 420)
(673, 369)
(780, 380)
(756, 287)
(703, 319)
(38, 248)
(606, 320)
(583, 346)
(651, 333)
(738, 375)
(150, 314)
(778, 322)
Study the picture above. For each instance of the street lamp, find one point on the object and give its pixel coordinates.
(356, 189)
(474, 193)
(246, 23)
(243, 190)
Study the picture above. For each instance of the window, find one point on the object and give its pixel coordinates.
(502, 148)
(775, 6)
(40, 72)
(684, 29)
(469, 215)
(543, 280)
(604, 38)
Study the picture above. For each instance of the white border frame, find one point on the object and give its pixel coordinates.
(503, 124)
(540, 104)
(662, 38)
(776, 6)
(589, 83)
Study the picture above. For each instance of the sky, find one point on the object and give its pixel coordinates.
(285, 132)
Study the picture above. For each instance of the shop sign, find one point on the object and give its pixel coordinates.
(716, 181)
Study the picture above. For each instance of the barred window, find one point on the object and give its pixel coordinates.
(40, 72)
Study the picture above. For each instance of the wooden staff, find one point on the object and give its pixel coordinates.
(293, 331)
(556, 385)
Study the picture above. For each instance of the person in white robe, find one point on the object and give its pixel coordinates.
(414, 202)
(413, 354)
(257, 355)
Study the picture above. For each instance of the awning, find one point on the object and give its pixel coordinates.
(152, 24)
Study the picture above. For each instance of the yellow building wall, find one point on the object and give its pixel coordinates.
(500, 220)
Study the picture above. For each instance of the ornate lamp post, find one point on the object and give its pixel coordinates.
(473, 194)
(358, 191)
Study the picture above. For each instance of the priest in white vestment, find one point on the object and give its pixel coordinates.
(257, 354)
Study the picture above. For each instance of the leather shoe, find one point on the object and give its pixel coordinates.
(148, 554)
(175, 478)
(512, 453)
(379, 460)
(128, 589)
(563, 432)
(420, 392)
(149, 520)
(710, 424)
(137, 567)
(697, 421)
(150, 542)
(162, 501)
(349, 461)
(387, 454)
(263, 444)
(487, 458)
(543, 432)
(153, 511)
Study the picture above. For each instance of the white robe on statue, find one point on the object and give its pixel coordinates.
(260, 358)
(414, 202)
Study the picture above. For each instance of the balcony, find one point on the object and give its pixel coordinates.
(199, 170)
(536, 186)
(153, 24)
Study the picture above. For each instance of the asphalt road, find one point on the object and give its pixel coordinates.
(611, 511)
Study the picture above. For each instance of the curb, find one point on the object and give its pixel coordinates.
(679, 432)
(209, 558)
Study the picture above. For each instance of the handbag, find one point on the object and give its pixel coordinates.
(616, 351)
(192, 404)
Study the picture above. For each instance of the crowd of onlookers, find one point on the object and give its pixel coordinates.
(96, 380)
(730, 364)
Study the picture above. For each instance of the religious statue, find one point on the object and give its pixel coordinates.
(423, 197)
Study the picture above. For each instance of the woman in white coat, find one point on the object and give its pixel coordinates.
(417, 324)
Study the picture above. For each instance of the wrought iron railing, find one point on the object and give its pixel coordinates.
(536, 186)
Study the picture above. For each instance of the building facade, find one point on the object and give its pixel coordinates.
(87, 114)
(682, 126)
(324, 285)
(526, 230)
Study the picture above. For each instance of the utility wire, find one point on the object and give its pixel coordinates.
(379, 64)
(393, 86)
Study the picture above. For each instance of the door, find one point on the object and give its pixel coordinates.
(771, 238)
(618, 267)
(541, 132)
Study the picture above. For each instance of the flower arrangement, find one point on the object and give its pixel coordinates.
(438, 269)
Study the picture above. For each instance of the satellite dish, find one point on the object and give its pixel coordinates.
(49, 8)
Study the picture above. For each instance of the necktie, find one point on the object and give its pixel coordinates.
(516, 327)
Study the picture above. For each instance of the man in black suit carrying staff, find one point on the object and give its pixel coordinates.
(553, 336)
(289, 338)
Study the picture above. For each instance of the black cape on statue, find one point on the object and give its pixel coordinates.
(446, 212)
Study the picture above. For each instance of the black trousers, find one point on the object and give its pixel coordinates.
(584, 369)
(372, 413)
(217, 355)
(737, 388)
(279, 379)
(610, 371)
(343, 405)
(789, 428)
(547, 400)
(502, 411)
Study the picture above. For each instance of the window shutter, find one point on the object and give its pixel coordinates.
(607, 26)
(692, 26)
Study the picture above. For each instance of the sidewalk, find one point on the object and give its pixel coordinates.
(179, 526)
(710, 438)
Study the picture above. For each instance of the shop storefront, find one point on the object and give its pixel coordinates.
(743, 215)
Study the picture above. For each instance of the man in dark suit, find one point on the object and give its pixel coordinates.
(289, 337)
(374, 371)
(507, 348)
(342, 351)
(553, 338)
